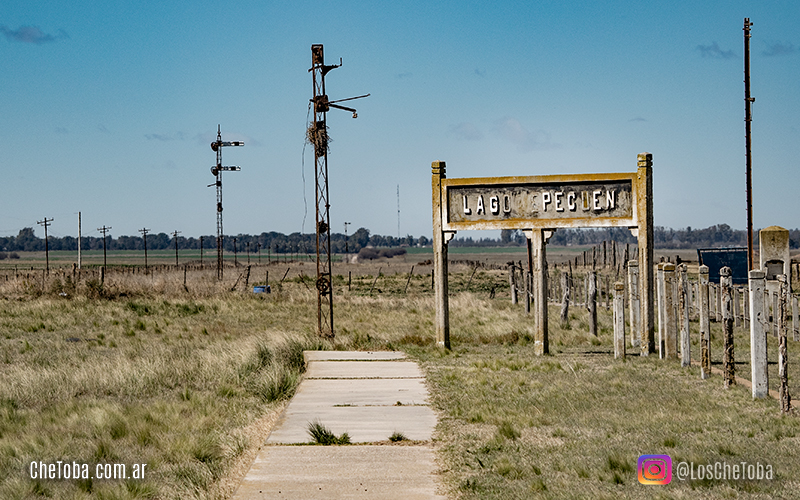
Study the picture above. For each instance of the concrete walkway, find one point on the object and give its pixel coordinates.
(369, 395)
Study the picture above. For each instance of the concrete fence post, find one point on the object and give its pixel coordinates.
(619, 320)
(728, 358)
(633, 301)
(718, 307)
(783, 361)
(795, 325)
(705, 332)
(660, 293)
(746, 308)
(565, 288)
(593, 303)
(683, 315)
(670, 316)
(775, 314)
(512, 285)
(528, 292)
(737, 310)
(758, 336)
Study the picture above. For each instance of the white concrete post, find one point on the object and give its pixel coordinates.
(683, 315)
(619, 320)
(670, 319)
(758, 336)
(633, 301)
(661, 308)
(783, 361)
(775, 313)
(705, 332)
(737, 310)
(794, 319)
(718, 296)
(512, 285)
(593, 303)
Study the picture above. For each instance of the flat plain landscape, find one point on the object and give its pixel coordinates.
(187, 377)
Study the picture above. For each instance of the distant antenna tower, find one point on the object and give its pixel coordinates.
(217, 170)
(317, 135)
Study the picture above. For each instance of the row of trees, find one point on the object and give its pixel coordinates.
(27, 241)
(720, 235)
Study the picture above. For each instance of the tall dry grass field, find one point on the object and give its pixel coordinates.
(142, 369)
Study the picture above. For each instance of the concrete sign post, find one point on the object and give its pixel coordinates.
(538, 205)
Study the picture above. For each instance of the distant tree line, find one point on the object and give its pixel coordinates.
(720, 235)
(273, 242)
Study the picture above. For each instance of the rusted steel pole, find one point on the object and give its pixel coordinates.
(748, 119)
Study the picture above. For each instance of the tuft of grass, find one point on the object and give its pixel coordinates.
(506, 430)
(397, 437)
(324, 436)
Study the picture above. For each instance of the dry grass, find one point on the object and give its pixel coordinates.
(142, 370)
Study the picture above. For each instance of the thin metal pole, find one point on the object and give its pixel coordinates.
(144, 232)
(748, 118)
(175, 235)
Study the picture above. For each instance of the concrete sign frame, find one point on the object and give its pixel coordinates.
(538, 206)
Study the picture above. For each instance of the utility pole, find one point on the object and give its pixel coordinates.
(175, 237)
(317, 134)
(217, 170)
(144, 232)
(346, 240)
(46, 222)
(235, 262)
(201, 252)
(79, 240)
(259, 254)
(104, 230)
(748, 119)
(248, 252)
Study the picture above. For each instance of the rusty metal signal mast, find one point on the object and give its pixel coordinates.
(217, 170)
(317, 135)
(748, 119)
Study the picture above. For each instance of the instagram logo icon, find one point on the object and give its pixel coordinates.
(654, 469)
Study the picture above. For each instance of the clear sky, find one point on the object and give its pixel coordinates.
(108, 108)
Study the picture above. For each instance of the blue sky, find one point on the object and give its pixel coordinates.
(108, 108)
